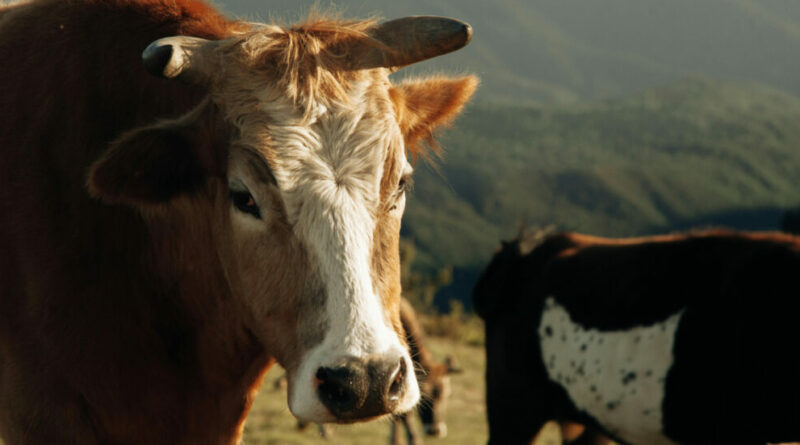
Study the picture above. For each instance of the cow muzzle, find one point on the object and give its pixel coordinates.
(355, 389)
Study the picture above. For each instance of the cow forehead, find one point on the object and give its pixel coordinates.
(361, 128)
(351, 147)
(325, 131)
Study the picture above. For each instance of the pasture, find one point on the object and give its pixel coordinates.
(271, 423)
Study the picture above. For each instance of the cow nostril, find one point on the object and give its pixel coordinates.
(396, 386)
(337, 389)
(322, 374)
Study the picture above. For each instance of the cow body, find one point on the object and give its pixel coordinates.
(661, 340)
(164, 242)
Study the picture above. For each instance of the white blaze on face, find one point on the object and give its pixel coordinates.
(617, 377)
(329, 172)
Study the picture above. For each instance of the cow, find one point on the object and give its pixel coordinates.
(433, 379)
(684, 338)
(187, 199)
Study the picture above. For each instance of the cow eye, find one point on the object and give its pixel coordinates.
(403, 186)
(245, 203)
(406, 184)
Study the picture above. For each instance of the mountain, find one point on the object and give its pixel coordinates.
(690, 153)
(566, 51)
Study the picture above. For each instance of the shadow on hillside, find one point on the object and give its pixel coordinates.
(763, 218)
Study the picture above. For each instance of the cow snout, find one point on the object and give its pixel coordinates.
(357, 389)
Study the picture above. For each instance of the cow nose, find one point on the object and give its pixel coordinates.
(341, 389)
(397, 379)
(356, 389)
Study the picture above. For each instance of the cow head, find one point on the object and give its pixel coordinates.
(299, 157)
(435, 392)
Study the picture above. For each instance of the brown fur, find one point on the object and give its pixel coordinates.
(84, 293)
(121, 323)
(311, 59)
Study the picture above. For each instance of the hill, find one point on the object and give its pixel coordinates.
(689, 153)
(567, 51)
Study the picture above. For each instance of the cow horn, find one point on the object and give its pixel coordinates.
(413, 39)
(173, 57)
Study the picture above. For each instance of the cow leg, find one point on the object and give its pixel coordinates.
(325, 431)
(516, 431)
(395, 436)
(515, 424)
(571, 432)
(412, 438)
(576, 434)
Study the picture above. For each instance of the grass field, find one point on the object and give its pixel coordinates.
(271, 423)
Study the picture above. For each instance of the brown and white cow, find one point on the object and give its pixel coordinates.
(686, 338)
(166, 238)
(433, 379)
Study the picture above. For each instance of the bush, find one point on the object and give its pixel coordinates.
(455, 325)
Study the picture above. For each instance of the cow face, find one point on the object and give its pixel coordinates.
(300, 156)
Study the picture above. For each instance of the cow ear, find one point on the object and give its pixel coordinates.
(147, 166)
(422, 105)
(450, 366)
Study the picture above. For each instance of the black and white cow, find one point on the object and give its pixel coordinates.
(675, 339)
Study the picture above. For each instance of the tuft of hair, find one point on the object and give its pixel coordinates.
(532, 237)
(310, 60)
